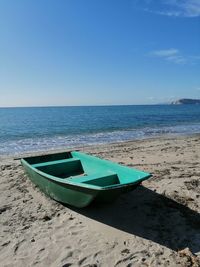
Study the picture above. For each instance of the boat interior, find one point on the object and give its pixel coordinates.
(81, 168)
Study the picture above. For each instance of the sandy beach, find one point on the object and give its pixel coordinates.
(158, 224)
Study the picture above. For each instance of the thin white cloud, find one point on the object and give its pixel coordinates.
(161, 100)
(172, 55)
(171, 8)
(166, 53)
(185, 8)
(151, 98)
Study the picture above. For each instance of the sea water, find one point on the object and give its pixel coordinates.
(46, 128)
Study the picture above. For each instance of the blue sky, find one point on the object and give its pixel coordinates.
(98, 52)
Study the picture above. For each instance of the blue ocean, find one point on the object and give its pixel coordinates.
(46, 128)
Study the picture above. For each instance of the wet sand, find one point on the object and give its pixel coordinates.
(158, 224)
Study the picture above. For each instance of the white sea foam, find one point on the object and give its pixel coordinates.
(69, 141)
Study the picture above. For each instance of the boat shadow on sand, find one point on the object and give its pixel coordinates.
(152, 216)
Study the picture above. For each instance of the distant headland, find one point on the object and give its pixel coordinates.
(186, 101)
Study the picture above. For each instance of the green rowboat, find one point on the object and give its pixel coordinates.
(77, 179)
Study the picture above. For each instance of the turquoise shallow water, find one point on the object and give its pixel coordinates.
(34, 129)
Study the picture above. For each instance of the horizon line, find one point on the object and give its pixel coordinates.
(102, 105)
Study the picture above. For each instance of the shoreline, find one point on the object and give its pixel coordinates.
(152, 225)
(51, 143)
(91, 146)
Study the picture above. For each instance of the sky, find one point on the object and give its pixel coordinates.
(98, 52)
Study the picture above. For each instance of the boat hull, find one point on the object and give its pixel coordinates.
(75, 193)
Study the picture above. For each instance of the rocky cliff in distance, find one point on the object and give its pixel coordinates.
(186, 101)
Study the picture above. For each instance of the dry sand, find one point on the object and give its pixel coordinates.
(157, 224)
